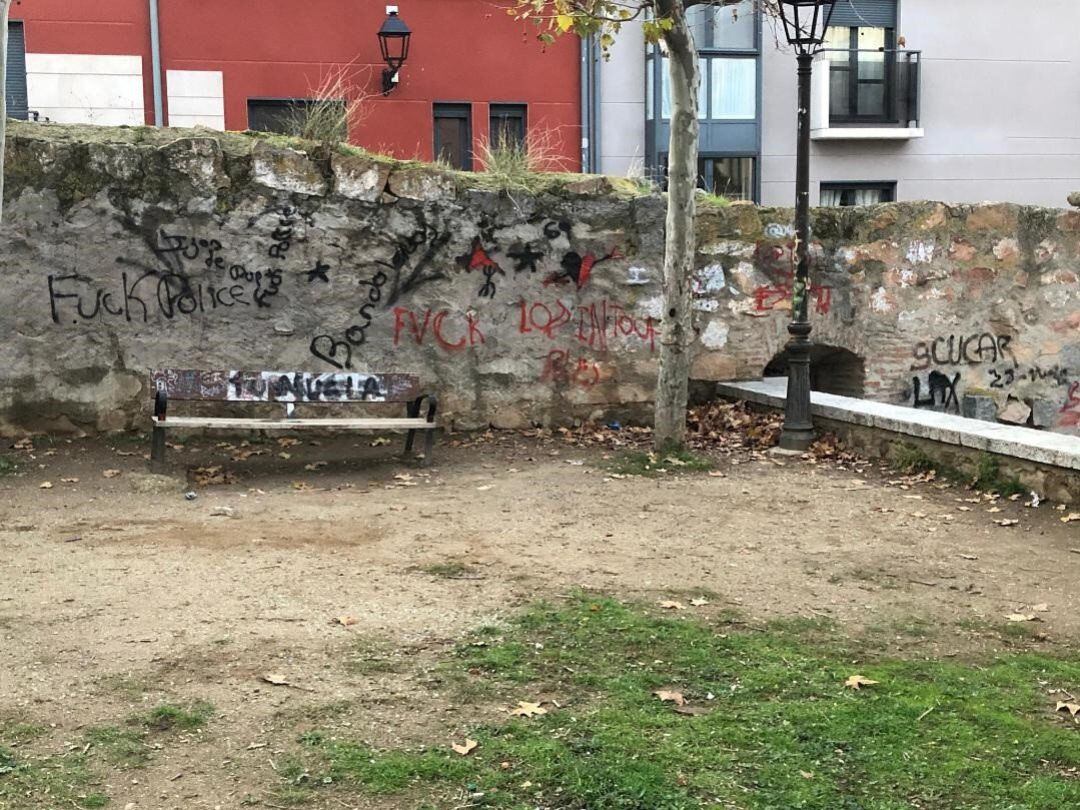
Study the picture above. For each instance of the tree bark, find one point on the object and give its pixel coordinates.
(5, 5)
(673, 380)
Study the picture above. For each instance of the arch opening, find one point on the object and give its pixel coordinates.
(833, 370)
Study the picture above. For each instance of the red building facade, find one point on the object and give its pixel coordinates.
(223, 64)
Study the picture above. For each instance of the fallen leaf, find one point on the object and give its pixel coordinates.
(1006, 522)
(301, 486)
(667, 604)
(285, 455)
(1042, 607)
(45, 485)
(526, 709)
(465, 749)
(288, 441)
(205, 476)
(274, 679)
(806, 774)
(964, 508)
(111, 473)
(1071, 708)
(969, 556)
(345, 621)
(994, 509)
(717, 474)
(699, 601)
(69, 480)
(1069, 518)
(667, 696)
(484, 488)
(857, 681)
(313, 466)
(381, 440)
(1022, 617)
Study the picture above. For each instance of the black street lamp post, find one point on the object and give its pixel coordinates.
(805, 23)
(394, 36)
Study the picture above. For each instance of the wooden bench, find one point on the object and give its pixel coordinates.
(289, 389)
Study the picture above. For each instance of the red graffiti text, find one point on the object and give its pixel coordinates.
(592, 324)
(433, 327)
(562, 369)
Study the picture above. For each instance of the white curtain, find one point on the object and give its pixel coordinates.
(734, 89)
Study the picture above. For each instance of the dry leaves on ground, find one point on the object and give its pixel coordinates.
(526, 709)
(45, 485)
(1006, 522)
(207, 476)
(699, 601)
(344, 621)
(858, 681)
(1069, 518)
(668, 696)
(465, 749)
(111, 473)
(1071, 708)
(668, 604)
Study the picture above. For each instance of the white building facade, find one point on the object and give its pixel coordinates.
(958, 101)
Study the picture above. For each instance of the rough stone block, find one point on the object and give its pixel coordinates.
(1015, 412)
(977, 406)
(1045, 413)
(358, 178)
(286, 170)
(426, 185)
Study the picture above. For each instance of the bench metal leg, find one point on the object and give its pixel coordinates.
(157, 438)
(429, 439)
(412, 410)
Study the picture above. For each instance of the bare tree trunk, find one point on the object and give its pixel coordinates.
(5, 6)
(673, 380)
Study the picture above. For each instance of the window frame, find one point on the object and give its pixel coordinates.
(887, 186)
(887, 81)
(19, 113)
(268, 101)
(461, 110)
(509, 110)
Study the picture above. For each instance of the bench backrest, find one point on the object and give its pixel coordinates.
(285, 386)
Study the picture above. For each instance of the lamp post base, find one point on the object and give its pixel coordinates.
(798, 433)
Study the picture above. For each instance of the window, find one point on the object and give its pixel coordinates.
(844, 194)
(726, 28)
(861, 64)
(15, 83)
(730, 177)
(453, 135)
(507, 124)
(728, 89)
(307, 117)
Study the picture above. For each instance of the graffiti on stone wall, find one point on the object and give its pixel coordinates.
(1069, 416)
(941, 392)
(958, 350)
(338, 352)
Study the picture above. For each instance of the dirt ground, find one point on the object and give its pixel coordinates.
(117, 593)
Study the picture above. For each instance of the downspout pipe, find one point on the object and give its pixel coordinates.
(155, 63)
(586, 104)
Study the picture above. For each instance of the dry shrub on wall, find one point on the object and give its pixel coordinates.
(510, 163)
(338, 102)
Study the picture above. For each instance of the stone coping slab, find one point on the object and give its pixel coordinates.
(1040, 446)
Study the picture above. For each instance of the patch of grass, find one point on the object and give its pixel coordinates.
(777, 728)
(371, 657)
(58, 781)
(651, 464)
(451, 569)
(121, 747)
(167, 717)
(7, 466)
(988, 478)
(16, 733)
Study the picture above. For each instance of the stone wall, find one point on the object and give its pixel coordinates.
(126, 250)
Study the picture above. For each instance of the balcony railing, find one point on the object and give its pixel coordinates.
(860, 94)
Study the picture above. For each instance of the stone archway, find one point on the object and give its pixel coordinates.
(833, 370)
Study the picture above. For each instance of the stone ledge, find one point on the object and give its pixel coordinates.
(1041, 447)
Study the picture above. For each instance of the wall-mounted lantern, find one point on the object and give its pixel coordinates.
(394, 44)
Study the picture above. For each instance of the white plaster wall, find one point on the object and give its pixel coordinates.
(999, 90)
(196, 98)
(622, 104)
(86, 88)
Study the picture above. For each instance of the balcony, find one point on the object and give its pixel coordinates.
(866, 95)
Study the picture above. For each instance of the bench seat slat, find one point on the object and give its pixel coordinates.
(225, 423)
